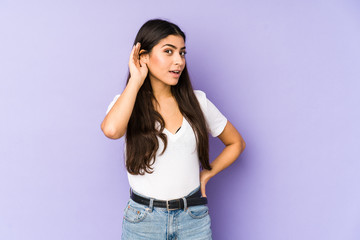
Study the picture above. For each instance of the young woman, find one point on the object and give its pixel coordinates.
(166, 124)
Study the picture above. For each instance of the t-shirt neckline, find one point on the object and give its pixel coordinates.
(178, 133)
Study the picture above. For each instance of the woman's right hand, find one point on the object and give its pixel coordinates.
(137, 67)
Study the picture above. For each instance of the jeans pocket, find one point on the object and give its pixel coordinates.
(199, 211)
(135, 212)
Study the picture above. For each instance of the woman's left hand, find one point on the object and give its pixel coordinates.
(205, 176)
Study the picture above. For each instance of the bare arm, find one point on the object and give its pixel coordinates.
(234, 146)
(115, 123)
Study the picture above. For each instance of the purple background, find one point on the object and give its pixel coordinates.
(285, 73)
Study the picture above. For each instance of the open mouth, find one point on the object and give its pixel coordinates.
(175, 73)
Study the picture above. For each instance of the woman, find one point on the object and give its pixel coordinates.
(167, 124)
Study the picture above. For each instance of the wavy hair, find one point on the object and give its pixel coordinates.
(141, 134)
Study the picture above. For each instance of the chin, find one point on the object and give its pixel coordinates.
(172, 82)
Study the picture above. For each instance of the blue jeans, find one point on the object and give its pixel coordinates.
(148, 222)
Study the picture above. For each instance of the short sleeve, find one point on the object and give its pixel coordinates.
(215, 120)
(112, 103)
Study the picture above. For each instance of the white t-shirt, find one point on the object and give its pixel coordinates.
(177, 171)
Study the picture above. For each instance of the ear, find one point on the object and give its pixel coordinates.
(144, 56)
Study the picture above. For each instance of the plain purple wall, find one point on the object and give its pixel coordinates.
(285, 73)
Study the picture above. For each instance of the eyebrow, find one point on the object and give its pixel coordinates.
(170, 45)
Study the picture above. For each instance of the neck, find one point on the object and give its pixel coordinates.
(160, 89)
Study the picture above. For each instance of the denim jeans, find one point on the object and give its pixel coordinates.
(148, 222)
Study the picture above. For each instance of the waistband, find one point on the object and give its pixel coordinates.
(193, 199)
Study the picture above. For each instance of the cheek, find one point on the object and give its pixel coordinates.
(157, 63)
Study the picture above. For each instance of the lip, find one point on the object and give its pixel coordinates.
(175, 74)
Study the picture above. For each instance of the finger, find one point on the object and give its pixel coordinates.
(136, 55)
(132, 53)
(137, 50)
(203, 190)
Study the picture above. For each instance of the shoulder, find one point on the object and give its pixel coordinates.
(116, 96)
(112, 103)
(201, 97)
(215, 120)
(199, 94)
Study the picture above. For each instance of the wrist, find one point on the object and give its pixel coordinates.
(212, 173)
(208, 174)
(134, 82)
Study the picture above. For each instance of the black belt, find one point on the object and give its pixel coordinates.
(192, 200)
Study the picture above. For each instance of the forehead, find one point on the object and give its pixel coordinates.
(175, 40)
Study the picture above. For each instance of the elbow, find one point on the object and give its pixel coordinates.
(243, 145)
(111, 132)
(240, 146)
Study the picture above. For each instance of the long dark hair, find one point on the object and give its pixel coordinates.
(141, 134)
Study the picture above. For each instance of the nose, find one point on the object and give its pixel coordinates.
(179, 60)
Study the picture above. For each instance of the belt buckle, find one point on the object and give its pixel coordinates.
(169, 209)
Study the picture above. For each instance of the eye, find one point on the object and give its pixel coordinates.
(183, 53)
(168, 51)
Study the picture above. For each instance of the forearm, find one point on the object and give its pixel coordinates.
(115, 122)
(229, 154)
